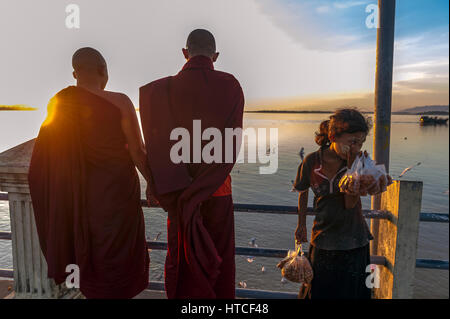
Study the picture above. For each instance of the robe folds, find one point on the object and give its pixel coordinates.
(86, 197)
(200, 257)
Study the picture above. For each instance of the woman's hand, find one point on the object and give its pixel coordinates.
(301, 235)
(151, 199)
(381, 185)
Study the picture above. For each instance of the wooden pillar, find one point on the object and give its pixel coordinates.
(398, 238)
(383, 96)
(30, 267)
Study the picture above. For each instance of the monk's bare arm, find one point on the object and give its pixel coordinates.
(130, 127)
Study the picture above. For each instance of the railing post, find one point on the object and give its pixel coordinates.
(30, 267)
(397, 239)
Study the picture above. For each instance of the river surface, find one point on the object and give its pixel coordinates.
(410, 144)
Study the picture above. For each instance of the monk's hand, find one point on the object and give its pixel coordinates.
(151, 199)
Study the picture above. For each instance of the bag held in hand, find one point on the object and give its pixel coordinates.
(295, 267)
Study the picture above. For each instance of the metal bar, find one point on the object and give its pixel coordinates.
(240, 251)
(434, 217)
(260, 252)
(432, 264)
(5, 235)
(383, 81)
(6, 273)
(292, 210)
(241, 293)
(280, 253)
(383, 97)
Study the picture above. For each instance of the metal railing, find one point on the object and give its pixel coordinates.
(276, 253)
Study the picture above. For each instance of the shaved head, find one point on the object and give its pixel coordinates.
(201, 42)
(90, 68)
(87, 59)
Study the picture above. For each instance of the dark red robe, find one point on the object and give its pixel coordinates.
(200, 257)
(86, 197)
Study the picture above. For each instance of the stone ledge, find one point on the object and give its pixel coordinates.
(16, 160)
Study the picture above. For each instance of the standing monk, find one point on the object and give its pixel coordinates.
(196, 192)
(85, 188)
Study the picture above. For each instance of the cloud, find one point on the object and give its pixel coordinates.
(323, 9)
(422, 56)
(405, 94)
(278, 52)
(306, 23)
(349, 4)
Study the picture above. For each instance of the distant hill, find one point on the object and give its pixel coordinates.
(428, 109)
(18, 107)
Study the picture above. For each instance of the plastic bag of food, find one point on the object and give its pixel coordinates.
(295, 267)
(378, 174)
(364, 175)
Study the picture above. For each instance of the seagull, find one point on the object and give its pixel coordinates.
(157, 236)
(302, 153)
(408, 169)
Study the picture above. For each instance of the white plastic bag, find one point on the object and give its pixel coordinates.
(364, 175)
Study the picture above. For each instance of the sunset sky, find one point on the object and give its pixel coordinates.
(287, 54)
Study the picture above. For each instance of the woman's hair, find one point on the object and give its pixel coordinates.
(342, 121)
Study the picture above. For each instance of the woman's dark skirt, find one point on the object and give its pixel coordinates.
(339, 274)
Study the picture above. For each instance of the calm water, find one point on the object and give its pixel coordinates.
(410, 144)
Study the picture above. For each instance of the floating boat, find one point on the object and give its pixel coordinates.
(427, 120)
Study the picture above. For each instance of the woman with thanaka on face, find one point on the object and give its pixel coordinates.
(339, 250)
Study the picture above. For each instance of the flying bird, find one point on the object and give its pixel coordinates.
(408, 169)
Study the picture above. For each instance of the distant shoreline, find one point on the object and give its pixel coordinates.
(330, 112)
(17, 108)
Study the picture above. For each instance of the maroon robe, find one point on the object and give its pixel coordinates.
(200, 257)
(86, 197)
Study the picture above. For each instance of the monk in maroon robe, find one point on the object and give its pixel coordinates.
(85, 189)
(196, 193)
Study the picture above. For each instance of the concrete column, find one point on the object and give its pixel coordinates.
(397, 239)
(30, 267)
